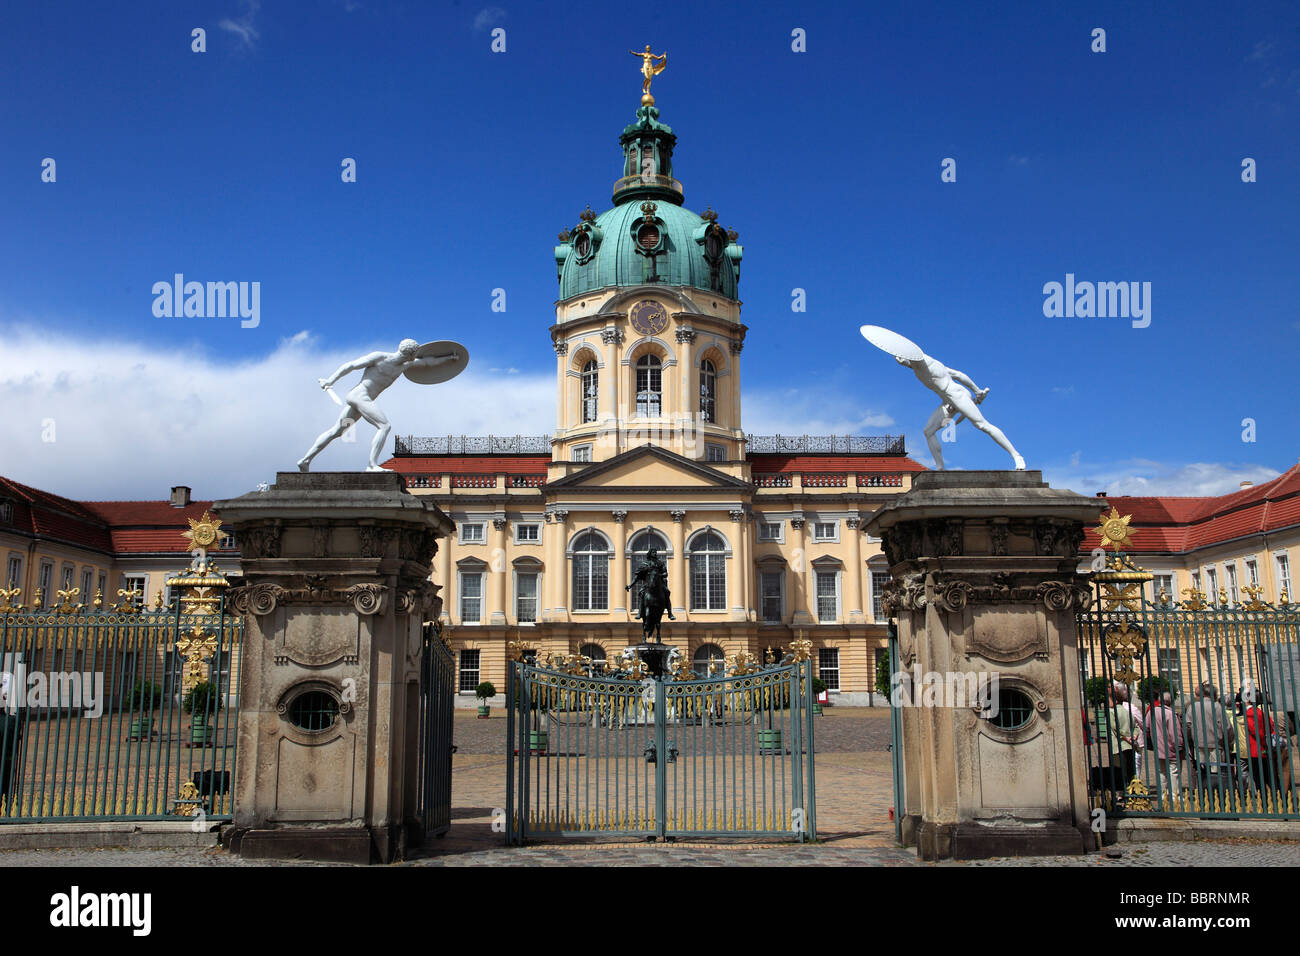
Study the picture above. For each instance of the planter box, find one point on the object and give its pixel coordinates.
(141, 727)
(769, 739)
(484, 711)
(537, 740)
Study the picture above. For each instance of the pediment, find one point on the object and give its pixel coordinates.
(648, 467)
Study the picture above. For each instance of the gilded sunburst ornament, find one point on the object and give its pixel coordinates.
(1114, 529)
(203, 531)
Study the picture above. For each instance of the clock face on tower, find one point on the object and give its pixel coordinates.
(649, 317)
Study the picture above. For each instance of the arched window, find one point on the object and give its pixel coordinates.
(597, 655)
(590, 393)
(640, 547)
(708, 391)
(590, 573)
(708, 573)
(705, 655)
(649, 386)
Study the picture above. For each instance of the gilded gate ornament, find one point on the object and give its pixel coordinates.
(1123, 644)
(1114, 529)
(196, 646)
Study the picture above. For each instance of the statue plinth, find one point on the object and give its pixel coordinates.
(336, 587)
(985, 587)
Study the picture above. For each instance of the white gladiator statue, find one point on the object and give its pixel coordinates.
(378, 371)
(953, 387)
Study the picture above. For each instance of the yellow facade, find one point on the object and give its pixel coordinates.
(671, 468)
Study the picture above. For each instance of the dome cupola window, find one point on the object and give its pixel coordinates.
(649, 386)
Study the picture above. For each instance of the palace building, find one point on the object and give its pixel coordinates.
(762, 536)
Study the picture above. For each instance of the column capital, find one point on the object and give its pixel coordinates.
(611, 336)
(737, 515)
(685, 334)
(797, 523)
(561, 348)
(619, 516)
(853, 523)
(499, 524)
(678, 516)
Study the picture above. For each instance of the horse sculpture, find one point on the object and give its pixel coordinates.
(654, 600)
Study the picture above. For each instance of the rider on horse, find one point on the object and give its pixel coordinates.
(651, 577)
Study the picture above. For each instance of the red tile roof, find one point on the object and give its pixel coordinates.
(121, 527)
(1185, 524)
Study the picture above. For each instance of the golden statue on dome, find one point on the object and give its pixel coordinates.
(649, 69)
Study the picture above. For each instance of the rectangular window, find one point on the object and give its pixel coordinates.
(773, 606)
(708, 582)
(715, 452)
(1252, 572)
(471, 597)
(469, 670)
(591, 582)
(827, 597)
(68, 572)
(1168, 660)
(582, 453)
(824, 530)
(101, 584)
(15, 572)
(1196, 580)
(769, 531)
(136, 583)
(527, 533)
(1284, 577)
(1230, 572)
(1163, 584)
(44, 581)
(87, 579)
(828, 666)
(1212, 584)
(878, 581)
(471, 533)
(6, 512)
(526, 598)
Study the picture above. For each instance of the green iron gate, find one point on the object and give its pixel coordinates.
(1231, 667)
(599, 748)
(119, 713)
(437, 694)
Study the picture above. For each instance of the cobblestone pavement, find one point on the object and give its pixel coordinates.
(1217, 853)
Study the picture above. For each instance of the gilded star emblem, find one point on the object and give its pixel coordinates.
(1114, 530)
(203, 531)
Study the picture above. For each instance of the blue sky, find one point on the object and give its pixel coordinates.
(225, 165)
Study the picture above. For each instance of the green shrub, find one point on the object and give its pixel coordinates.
(145, 694)
(883, 682)
(1094, 691)
(1150, 688)
(202, 698)
(485, 690)
(819, 685)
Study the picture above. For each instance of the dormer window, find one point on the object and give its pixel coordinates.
(6, 512)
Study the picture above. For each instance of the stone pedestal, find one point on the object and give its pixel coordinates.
(336, 587)
(985, 587)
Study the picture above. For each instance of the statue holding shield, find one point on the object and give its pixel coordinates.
(960, 395)
(425, 364)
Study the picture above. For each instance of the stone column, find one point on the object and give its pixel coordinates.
(561, 384)
(619, 596)
(853, 582)
(677, 572)
(983, 567)
(498, 574)
(739, 559)
(689, 414)
(558, 568)
(608, 404)
(336, 571)
(443, 577)
(800, 568)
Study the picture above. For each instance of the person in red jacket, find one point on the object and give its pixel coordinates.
(1260, 729)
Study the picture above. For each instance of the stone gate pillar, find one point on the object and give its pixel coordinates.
(336, 587)
(985, 586)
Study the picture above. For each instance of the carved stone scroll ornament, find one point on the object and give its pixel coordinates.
(366, 598)
(953, 595)
(258, 599)
(907, 594)
(1062, 596)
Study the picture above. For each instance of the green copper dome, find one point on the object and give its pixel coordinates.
(648, 237)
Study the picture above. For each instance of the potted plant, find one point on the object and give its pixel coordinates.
(1094, 693)
(485, 691)
(145, 697)
(201, 699)
(819, 688)
(537, 735)
(769, 737)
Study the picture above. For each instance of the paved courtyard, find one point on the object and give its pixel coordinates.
(854, 796)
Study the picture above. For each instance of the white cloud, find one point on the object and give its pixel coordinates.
(809, 411)
(1141, 477)
(243, 26)
(131, 420)
(487, 17)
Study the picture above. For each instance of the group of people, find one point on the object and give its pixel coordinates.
(1245, 748)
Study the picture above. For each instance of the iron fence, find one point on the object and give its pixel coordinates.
(625, 754)
(437, 696)
(117, 714)
(1192, 705)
